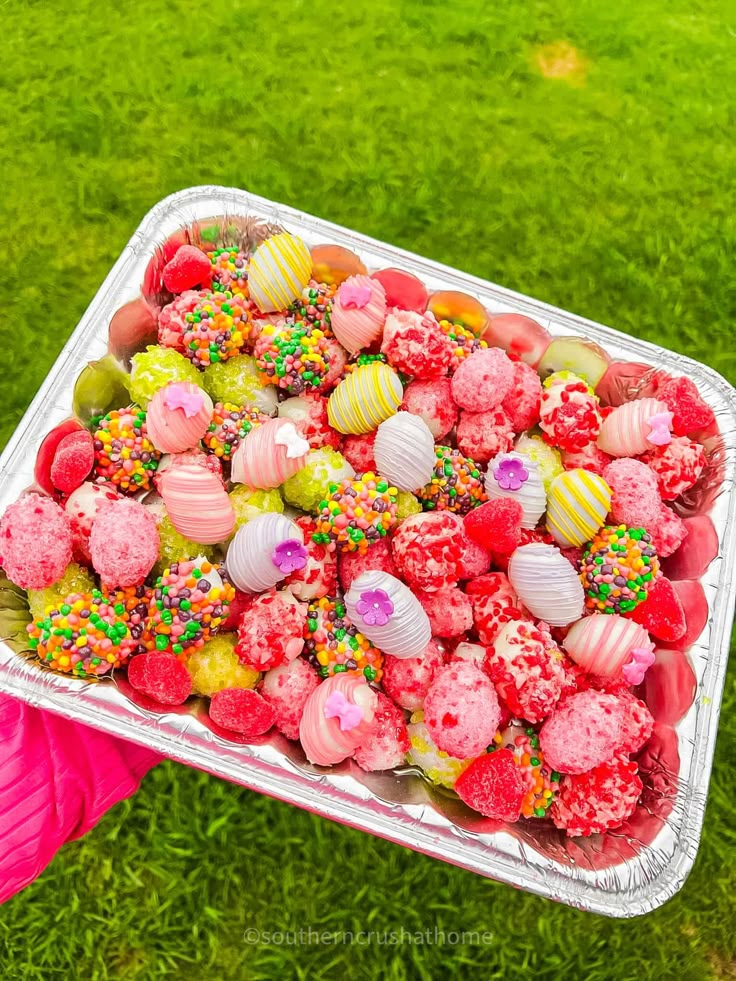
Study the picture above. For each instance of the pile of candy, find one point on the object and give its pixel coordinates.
(333, 500)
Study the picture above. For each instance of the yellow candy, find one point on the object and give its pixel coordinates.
(577, 505)
(367, 396)
(278, 271)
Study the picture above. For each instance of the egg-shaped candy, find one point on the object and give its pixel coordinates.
(635, 427)
(278, 272)
(404, 451)
(602, 643)
(197, 504)
(577, 505)
(337, 718)
(178, 416)
(358, 313)
(546, 583)
(269, 455)
(389, 614)
(264, 551)
(364, 398)
(516, 476)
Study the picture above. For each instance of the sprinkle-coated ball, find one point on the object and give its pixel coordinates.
(464, 341)
(229, 271)
(216, 329)
(292, 356)
(541, 782)
(190, 602)
(618, 568)
(124, 455)
(229, 424)
(357, 513)
(314, 307)
(333, 644)
(456, 485)
(84, 636)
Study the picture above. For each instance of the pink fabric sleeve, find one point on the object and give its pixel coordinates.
(57, 779)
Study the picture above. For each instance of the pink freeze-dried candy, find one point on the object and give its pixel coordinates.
(407, 679)
(287, 688)
(432, 401)
(387, 743)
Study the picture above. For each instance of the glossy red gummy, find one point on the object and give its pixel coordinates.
(403, 289)
(72, 461)
(669, 685)
(132, 327)
(493, 786)
(160, 676)
(188, 269)
(47, 452)
(242, 710)
(662, 614)
(697, 551)
(520, 337)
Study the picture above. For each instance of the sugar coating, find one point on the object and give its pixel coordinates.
(35, 542)
(241, 710)
(155, 368)
(415, 344)
(635, 500)
(637, 723)
(597, 801)
(482, 435)
(568, 416)
(376, 559)
(75, 579)
(591, 457)
(239, 380)
(310, 486)
(173, 546)
(449, 610)
(407, 679)
(547, 458)
(271, 630)
(248, 503)
(583, 731)
(527, 669)
(494, 604)
(216, 666)
(161, 677)
(358, 451)
(475, 560)
(406, 505)
(483, 380)
(668, 533)
(287, 688)
(493, 785)
(432, 401)
(523, 399)
(461, 710)
(124, 543)
(388, 741)
(82, 507)
(427, 549)
(677, 466)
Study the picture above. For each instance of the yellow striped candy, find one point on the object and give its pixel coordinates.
(278, 272)
(367, 396)
(577, 505)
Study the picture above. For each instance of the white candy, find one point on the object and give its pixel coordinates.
(250, 557)
(389, 614)
(404, 451)
(531, 494)
(547, 584)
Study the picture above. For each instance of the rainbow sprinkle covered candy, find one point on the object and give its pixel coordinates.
(314, 307)
(618, 568)
(124, 455)
(358, 513)
(541, 781)
(85, 636)
(333, 644)
(464, 341)
(215, 329)
(457, 484)
(293, 356)
(230, 424)
(229, 271)
(190, 602)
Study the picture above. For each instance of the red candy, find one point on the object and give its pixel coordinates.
(637, 723)
(493, 785)
(124, 543)
(521, 404)
(188, 269)
(661, 613)
(47, 452)
(287, 689)
(319, 576)
(584, 731)
(73, 461)
(358, 451)
(388, 741)
(160, 676)
(427, 549)
(690, 412)
(494, 604)
(527, 670)
(461, 710)
(596, 801)
(376, 559)
(270, 630)
(35, 542)
(496, 525)
(483, 435)
(476, 560)
(483, 380)
(449, 610)
(432, 400)
(403, 289)
(242, 710)
(415, 345)
(677, 466)
(407, 679)
(82, 507)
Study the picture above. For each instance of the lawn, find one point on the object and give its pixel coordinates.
(577, 151)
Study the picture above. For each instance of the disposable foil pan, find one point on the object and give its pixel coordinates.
(623, 873)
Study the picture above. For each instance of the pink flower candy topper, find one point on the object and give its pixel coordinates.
(353, 296)
(642, 658)
(661, 429)
(374, 607)
(337, 706)
(289, 556)
(510, 474)
(178, 396)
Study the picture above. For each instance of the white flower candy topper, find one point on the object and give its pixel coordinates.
(389, 614)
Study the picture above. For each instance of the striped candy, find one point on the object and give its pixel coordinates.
(577, 506)
(278, 272)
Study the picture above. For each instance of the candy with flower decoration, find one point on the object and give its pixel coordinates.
(389, 613)
(516, 476)
(264, 551)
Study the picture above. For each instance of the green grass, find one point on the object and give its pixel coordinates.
(430, 125)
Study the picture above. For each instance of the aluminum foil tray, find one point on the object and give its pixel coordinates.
(623, 873)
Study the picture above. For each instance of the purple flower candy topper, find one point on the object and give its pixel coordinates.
(339, 707)
(374, 607)
(289, 556)
(634, 670)
(661, 429)
(510, 474)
